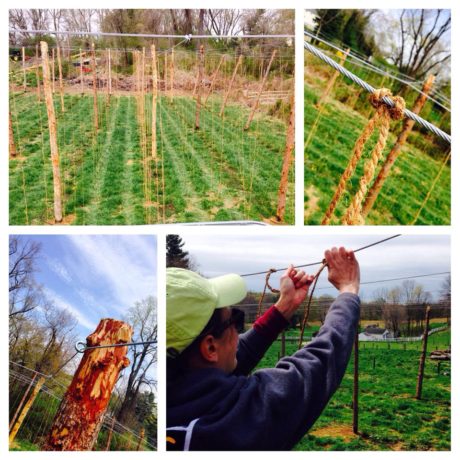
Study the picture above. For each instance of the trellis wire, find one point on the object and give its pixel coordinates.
(435, 130)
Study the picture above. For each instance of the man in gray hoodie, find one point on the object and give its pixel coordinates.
(213, 402)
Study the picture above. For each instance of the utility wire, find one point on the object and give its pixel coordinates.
(434, 129)
(320, 262)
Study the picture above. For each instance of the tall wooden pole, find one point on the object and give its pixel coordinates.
(171, 75)
(53, 133)
(154, 101)
(199, 87)
(61, 84)
(235, 70)
(94, 68)
(213, 80)
(290, 139)
(53, 70)
(261, 88)
(12, 149)
(421, 368)
(82, 409)
(37, 72)
(24, 84)
(24, 397)
(396, 150)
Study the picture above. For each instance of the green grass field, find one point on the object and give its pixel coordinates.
(327, 155)
(390, 418)
(217, 173)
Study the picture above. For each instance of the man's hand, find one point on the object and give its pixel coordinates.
(343, 270)
(294, 286)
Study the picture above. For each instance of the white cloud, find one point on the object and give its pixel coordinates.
(59, 269)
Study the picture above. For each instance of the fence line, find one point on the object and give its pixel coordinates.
(434, 129)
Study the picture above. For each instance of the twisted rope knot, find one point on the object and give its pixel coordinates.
(396, 112)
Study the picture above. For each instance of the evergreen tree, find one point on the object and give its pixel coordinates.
(175, 256)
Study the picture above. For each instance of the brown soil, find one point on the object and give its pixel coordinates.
(337, 431)
(66, 220)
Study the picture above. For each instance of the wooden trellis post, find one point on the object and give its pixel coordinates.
(396, 150)
(12, 149)
(110, 73)
(421, 369)
(199, 87)
(109, 437)
(332, 80)
(53, 70)
(154, 101)
(356, 384)
(37, 72)
(81, 72)
(165, 74)
(141, 438)
(24, 84)
(171, 75)
(93, 69)
(25, 409)
(282, 191)
(61, 85)
(53, 133)
(235, 70)
(24, 396)
(213, 80)
(82, 409)
(261, 88)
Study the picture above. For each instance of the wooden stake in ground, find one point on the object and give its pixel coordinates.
(53, 133)
(396, 150)
(141, 438)
(332, 80)
(24, 397)
(421, 368)
(154, 101)
(11, 138)
(286, 163)
(199, 87)
(25, 409)
(81, 73)
(93, 69)
(261, 88)
(235, 70)
(109, 83)
(171, 75)
(61, 85)
(24, 69)
(213, 80)
(82, 409)
(356, 384)
(53, 70)
(165, 74)
(37, 72)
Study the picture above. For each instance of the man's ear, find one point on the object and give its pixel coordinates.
(209, 349)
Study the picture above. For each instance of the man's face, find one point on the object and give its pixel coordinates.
(228, 345)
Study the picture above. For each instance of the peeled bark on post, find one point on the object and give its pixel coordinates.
(213, 80)
(396, 150)
(256, 101)
(286, 163)
(235, 70)
(12, 149)
(25, 409)
(37, 72)
(53, 133)
(356, 384)
(24, 84)
(421, 369)
(93, 67)
(199, 86)
(61, 85)
(331, 82)
(82, 409)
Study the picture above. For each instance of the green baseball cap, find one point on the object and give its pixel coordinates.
(191, 301)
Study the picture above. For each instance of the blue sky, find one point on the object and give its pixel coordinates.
(407, 255)
(97, 276)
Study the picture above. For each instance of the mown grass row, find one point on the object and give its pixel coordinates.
(327, 155)
(390, 418)
(216, 173)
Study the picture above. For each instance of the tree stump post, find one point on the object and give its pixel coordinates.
(53, 133)
(12, 145)
(282, 191)
(396, 150)
(25, 409)
(61, 84)
(199, 87)
(94, 68)
(213, 80)
(261, 88)
(421, 368)
(82, 409)
(235, 70)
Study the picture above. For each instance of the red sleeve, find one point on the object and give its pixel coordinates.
(271, 323)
